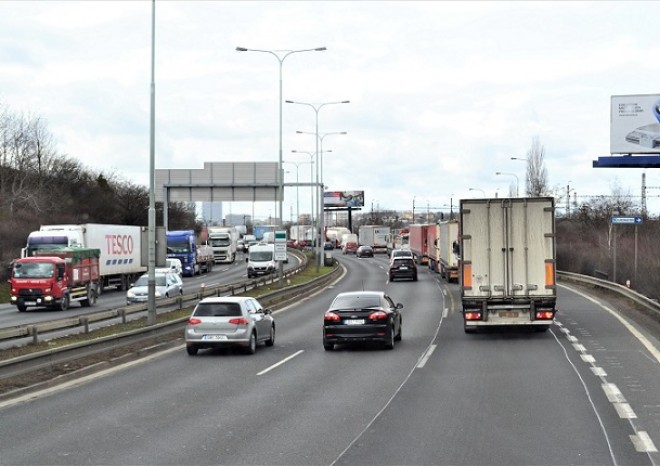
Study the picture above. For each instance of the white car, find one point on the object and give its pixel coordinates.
(174, 265)
(168, 285)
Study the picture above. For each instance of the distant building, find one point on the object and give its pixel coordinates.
(238, 219)
(212, 213)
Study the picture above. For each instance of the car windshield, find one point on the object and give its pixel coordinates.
(161, 280)
(33, 270)
(217, 310)
(355, 302)
(260, 256)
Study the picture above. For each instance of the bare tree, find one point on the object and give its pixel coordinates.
(537, 177)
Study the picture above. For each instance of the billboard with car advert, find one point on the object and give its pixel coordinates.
(343, 199)
(635, 124)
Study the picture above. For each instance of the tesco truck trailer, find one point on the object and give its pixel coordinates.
(120, 263)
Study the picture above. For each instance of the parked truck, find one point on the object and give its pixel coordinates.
(508, 270)
(447, 250)
(223, 241)
(418, 237)
(376, 236)
(55, 278)
(196, 258)
(121, 246)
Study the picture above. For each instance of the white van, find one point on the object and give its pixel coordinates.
(261, 260)
(174, 265)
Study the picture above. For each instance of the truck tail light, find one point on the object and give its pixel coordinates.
(549, 274)
(545, 314)
(472, 315)
(331, 317)
(467, 275)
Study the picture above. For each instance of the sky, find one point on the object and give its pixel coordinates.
(442, 94)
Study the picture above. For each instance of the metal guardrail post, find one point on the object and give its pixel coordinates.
(85, 323)
(35, 335)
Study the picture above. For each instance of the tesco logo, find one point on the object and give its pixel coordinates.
(120, 244)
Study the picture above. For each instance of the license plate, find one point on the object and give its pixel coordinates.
(354, 322)
(508, 314)
(215, 337)
(403, 268)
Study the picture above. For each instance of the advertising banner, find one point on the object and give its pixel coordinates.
(343, 199)
(635, 124)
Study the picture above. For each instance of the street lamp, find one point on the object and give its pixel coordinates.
(280, 55)
(511, 174)
(311, 182)
(297, 164)
(483, 193)
(317, 108)
(321, 137)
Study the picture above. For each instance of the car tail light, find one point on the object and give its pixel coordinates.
(545, 315)
(378, 315)
(194, 321)
(239, 321)
(472, 315)
(331, 317)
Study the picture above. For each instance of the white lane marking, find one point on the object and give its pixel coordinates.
(565, 330)
(297, 353)
(625, 411)
(579, 347)
(613, 393)
(636, 333)
(588, 358)
(426, 357)
(599, 372)
(572, 339)
(643, 442)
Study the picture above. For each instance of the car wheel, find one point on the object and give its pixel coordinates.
(391, 278)
(398, 335)
(21, 307)
(191, 350)
(271, 339)
(328, 346)
(542, 329)
(252, 346)
(390, 343)
(415, 278)
(64, 304)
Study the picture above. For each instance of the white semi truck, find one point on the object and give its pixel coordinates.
(508, 270)
(223, 241)
(376, 236)
(448, 250)
(121, 258)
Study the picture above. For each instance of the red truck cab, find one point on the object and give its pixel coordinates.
(53, 279)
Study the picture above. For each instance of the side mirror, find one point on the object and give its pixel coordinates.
(247, 259)
(399, 306)
(268, 311)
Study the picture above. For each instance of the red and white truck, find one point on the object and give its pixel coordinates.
(56, 278)
(121, 248)
(418, 237)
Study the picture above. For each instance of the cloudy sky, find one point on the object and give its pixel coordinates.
(442, 94)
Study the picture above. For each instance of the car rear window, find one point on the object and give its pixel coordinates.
(403, 261)
(218, 310)
(355, 302)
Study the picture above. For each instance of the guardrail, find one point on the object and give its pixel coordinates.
(35, 331)
(633, 295)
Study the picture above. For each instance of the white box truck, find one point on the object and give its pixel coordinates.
(376, 236)
(223, 241)
(508, 275)
(448, 250)
(121, 261)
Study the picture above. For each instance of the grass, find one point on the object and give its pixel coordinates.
(305, 276)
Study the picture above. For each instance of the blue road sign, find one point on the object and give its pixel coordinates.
(627, 220)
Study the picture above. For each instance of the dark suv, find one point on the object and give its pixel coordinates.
(403, 267)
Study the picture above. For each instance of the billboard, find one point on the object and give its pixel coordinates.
(635, 124)
(343, 199)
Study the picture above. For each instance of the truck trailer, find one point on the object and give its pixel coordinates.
(448, 250)
(418, 237)
(55, 278)
(376, 236)
(120, 263)
(508, 269)
(195, 258)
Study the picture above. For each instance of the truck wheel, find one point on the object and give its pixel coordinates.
(21, 307)
(64, 303)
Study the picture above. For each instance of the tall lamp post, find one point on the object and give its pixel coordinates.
(483, 193)
(297, 164)
(321, 137)
(280, 55)
(317, 108)
(510, 174)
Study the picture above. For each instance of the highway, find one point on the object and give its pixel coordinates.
(583, 393)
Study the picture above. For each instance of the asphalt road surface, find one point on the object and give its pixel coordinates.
(585, 392)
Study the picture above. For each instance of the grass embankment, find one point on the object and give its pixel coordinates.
(305, 276)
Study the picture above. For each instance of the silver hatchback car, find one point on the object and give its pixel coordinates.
(229, 321)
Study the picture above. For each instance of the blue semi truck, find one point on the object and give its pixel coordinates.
(195, 258)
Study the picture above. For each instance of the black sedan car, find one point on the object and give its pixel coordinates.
(403, 267)
(365, 251)
(362, 316)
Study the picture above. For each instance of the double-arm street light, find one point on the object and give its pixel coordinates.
(280, 55)
(511, 174)
(298, 164)
(317, 108)
(321, 137)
